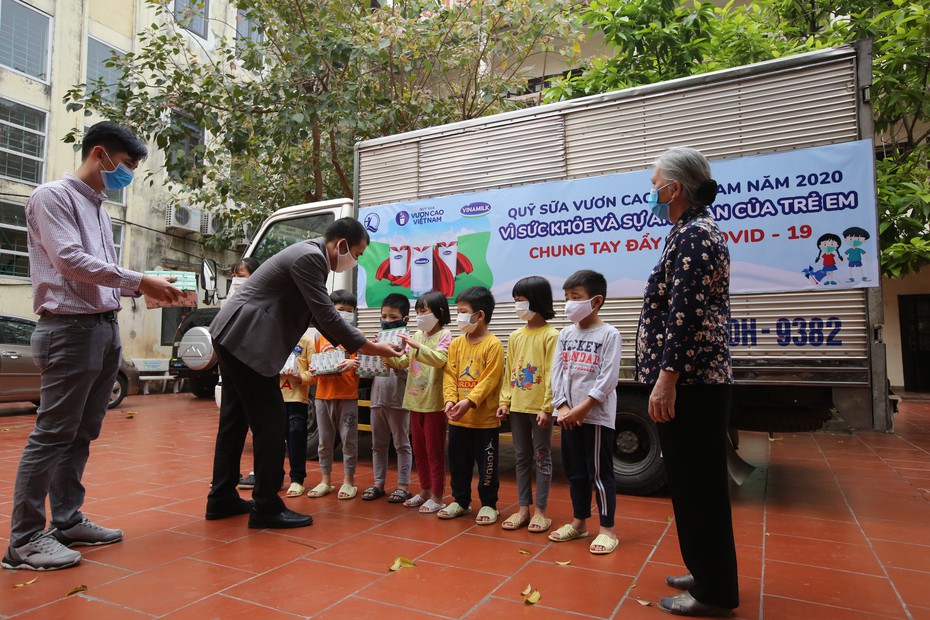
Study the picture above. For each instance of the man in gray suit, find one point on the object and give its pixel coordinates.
(253, 335)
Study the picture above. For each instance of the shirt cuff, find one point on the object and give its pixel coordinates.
(130, 280)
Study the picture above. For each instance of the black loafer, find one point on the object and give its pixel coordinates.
(686, 605)
(682, 582)
(279, 520)
(221, 511)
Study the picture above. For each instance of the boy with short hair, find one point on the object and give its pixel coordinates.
(471, 388)
(585, 373)
(337, 408)
(388, 416)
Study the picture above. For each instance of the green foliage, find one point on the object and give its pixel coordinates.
(655, 40)
(280, 116)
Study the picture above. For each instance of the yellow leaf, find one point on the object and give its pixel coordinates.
(402, 562)
(632, 585)
(23, 585)
(533, 598)
(576, 48)
(528, 590)
(643, 603)
(669, 518)
(76, 589)
(565, 563)
(525, 552)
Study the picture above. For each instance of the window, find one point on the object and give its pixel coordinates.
(119, 231)
(24, 39)
(170, 320)
(14, 257)
(193, 15)
(16, 331)
(22, 142)
(283, 233)
(184, 151)
(247, 31)
(99, 75)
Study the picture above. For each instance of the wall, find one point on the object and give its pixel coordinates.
(918, 284)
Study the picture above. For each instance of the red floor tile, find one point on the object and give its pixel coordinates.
(504, 608)
(222, 607)
(80, 607)
(358, 608)
(52, 586)
(778, 607)
(146, 552)
(372, 552)
(825, 554)
(914, 586)
(570, 588)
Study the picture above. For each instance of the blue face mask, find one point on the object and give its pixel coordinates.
(659, 209)
(118, 178)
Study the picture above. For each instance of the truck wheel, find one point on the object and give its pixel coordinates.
(119, 391)
(203, 387)
(638, 465)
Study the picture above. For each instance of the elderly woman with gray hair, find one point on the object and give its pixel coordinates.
(682, 352)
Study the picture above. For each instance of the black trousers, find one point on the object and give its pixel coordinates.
(250, 400)
(469, 447)
(297, 416)
(694, 451)
(587, 455)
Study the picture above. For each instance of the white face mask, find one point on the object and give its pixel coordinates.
(463, 322)
(523, 310)
(348, 317)
(346, 261)
(577, 311)
(426, 322)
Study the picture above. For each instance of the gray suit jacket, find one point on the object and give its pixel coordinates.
(265, 319)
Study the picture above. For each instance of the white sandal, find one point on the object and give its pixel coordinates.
(429, 507)
(415, 501)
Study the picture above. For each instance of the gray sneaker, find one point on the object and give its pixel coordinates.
(42, 552)
(87, 534)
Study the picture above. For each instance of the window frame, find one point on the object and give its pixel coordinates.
(206, 18)
(23, 229)
(254, 34)
(48, 47)
(44, 134)
(87, 57)
(118, 247)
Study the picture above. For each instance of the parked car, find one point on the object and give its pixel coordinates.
(19, 376)
(192, 355)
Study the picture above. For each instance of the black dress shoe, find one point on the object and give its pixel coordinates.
(682, 582)
(221, 511)
(686, 605)
(285, 518)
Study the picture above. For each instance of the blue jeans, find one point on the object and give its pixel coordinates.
(78, 357)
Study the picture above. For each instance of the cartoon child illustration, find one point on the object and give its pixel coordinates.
(855, 237)
(828, 246)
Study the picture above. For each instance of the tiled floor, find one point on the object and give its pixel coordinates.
(829, 526)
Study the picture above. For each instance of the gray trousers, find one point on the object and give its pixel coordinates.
(533, 446)
(387, 422)
(78, 357)
(337, 415)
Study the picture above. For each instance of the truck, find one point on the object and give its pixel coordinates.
(549, 189)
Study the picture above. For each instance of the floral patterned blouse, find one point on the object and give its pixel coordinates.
(686, 306)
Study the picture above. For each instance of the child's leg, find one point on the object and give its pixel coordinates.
(599, 442)
(297, 415)
(461, 463)
(380, 444)
(420, 453)
(434, 425)
(399, 421)
(542, 451)
(522, 436)
(576, 470)
(486, 443)
(327, 434)
(348, 430)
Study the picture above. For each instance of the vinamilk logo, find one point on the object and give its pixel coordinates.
(475, 209)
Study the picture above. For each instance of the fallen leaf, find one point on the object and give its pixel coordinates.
(632, 585)
(565, 563)
(28, 583)
(131, 414)
(402, 562)
(528, 590)
(643, 603)
(525, 552)
(76, 589)
(669, 518)
(533, 598)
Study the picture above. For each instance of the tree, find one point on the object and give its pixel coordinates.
(282, 105)
(654, 40)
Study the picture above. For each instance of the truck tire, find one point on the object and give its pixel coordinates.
(203, 387)
(119, 391)
(638, 465)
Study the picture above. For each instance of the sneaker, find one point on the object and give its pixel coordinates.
(248, 482)
(87, 534)
(42, 552)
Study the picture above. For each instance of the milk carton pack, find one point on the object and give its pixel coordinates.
(184, 280)
(392, 336)
(372, 366)
(327, 362)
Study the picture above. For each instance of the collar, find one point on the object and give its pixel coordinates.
(691, 214)
(84, 189)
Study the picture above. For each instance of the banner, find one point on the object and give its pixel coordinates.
(798, 220)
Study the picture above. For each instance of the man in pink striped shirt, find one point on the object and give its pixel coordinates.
(76, 286)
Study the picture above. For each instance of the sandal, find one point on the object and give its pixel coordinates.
(429, 507)
(347, 491)
(514, 522)
(605, 541)
(320, 490)
(399, 496)
(567, 533)
(371, 493)
(415, 501)
(453, 511)
(487, 516)
(295, 490)
(539, 524)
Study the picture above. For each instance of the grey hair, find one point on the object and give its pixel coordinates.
(690, 168)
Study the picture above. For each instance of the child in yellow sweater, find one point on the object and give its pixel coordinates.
(295, 388)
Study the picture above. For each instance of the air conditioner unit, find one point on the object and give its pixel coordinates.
(211, 224)
(243, 241)
(182, 218)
